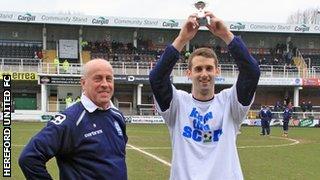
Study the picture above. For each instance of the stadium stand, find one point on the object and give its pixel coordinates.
(290, 62)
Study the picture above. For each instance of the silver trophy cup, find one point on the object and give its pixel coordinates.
(202, 20)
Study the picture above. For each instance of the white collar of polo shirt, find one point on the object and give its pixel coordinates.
(90, 106)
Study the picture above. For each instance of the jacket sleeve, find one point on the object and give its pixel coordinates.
(249, 71)
(160, 77)
(50, 141)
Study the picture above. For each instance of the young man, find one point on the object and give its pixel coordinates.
(88, 139)
(203, 126)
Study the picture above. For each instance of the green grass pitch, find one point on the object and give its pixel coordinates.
(263, 158)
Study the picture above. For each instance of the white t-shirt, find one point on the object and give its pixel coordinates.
(203, 135)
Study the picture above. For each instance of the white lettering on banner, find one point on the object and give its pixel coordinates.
(281, 81)
(263, 27)
(238, 26)
(64, 19)
(279, 122)
(150, 23)
(137, 22)
(128, 22)
(302, 28)
(100, 21)
(78, 19)
(27, 17)
(262, 81)
(147, 22)
(218, 80)
(145, 119)
(6, 16)
(170, 23)
(56, 18)
(283, 27)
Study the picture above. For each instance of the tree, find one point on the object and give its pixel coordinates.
(308, 16)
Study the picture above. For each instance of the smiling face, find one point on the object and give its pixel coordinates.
(97, 82)
(203, 68)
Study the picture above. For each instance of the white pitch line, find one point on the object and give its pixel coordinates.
(18, 145)
(150, 155)
(294, 142)
(150, 148)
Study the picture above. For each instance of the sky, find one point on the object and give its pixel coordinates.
(273, 11)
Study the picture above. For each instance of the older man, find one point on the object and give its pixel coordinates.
(88, 139)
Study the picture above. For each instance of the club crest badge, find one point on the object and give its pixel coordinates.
(58, 119)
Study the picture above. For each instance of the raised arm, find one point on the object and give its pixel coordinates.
(249, 71)
(160, 74)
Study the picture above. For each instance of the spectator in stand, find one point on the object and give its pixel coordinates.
(65, 65)
(84, 44)
(130, 47)
(278, 46)
(286, 101)
(277, 108)
(275, 61)
(39, 54)
(288, 58)
(265, 116)
(309, 106)
(262, 61)
(303, 107)
(290, 105)
(78, 99)
(187, 54)
(295, 51)
(287, 115)
(218, 51)
(68, 100)
(56, 64)
(35, 55)
(158, 54)
(114, 45)
(136, 58)
(115, 57)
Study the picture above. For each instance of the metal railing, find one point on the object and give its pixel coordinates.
(143, 68)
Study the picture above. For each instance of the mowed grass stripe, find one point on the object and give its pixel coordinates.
(298, 161)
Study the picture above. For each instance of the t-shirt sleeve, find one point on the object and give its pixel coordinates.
(238, 111)
(169, 115)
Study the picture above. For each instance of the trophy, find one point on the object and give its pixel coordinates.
(203, 20)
